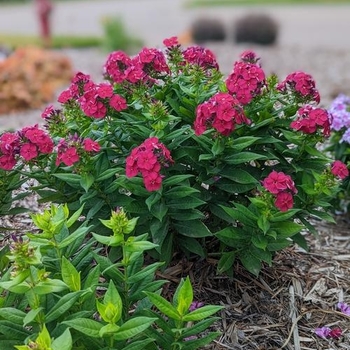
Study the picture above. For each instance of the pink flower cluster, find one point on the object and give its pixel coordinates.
(69, 152)
(310, 119)
(93, 99)
(247, 78)
(200, 56)
(27, 144)
(339, 169)
(148, 159)
(283, 187)
(222, 112)
(302, 84)
(144, 67)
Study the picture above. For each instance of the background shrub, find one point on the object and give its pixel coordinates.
(116, 36)
(256, 28)
(208, 29)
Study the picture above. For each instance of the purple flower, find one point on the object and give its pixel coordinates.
(344, 308)
(195, 305)
(323, 332)
(340, 112)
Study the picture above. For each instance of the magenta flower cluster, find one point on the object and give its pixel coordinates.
(310, 119)
(222, 112)
(25, 144)
(301, 83)
(247, 78)
(282, 187)
(70, 151)
(93, 99)
(148, 159)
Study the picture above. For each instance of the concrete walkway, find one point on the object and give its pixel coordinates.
(323, 26)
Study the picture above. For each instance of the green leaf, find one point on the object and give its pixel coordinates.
(282, 216)
(80, 232)
(12, 314)
(201, 342)
(226, 261)
(44, 340)
(163, 306)
(323, 216)
(180, 192)
(108, 173)
(86, 326)
(71, 179)
(259, 241)
(63, 342)
(175, 180)
(70, 275)
(243, 142)
(199, 327)
(279, 244)
(238, 175)
(13, 331)
(250, 262)
(63, 305)
(75, 216)
(192, 228)
(112, 296)
(242, 214)
(244, 157)
(202, 313)
(184, 203)
(86, 180)
(286, 229)
(184, 297)
(133, 327)
(145, 272)
(49, 286)
(31, 315)
(138, 345)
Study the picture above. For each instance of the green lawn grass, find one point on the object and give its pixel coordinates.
(14, 41)
(198, 3)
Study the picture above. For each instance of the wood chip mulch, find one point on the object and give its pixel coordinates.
(282, 307)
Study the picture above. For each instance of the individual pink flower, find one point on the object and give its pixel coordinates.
(170, 42)
(339, 169)
(277, 182)
(152, 181)
(91, 145)
(9, 143)
(28, 151)
(104, 90)
(118, 103)
(70, 156)
(284, 201)
(7, 161)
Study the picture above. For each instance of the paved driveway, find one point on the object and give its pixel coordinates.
(153, 20)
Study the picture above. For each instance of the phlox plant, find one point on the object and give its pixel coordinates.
(59, 292)
(338, 145)
(229, 167)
